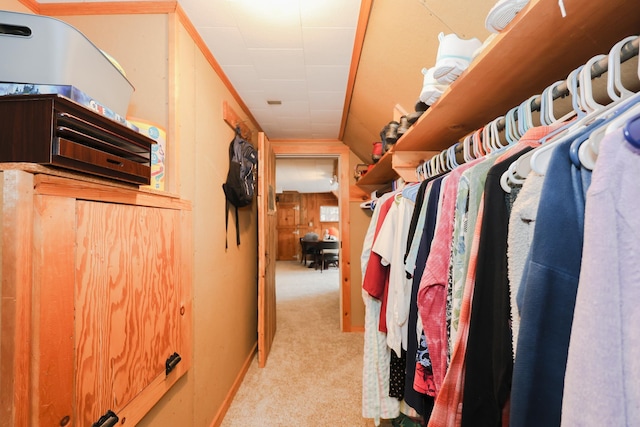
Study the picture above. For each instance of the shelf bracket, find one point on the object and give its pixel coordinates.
(404, 163)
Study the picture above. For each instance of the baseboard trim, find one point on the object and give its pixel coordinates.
(217, 420)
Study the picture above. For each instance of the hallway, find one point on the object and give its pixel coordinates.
(314, 372)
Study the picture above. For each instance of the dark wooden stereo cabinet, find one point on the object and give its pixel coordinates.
(55, 131)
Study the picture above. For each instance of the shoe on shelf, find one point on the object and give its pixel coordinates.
(431, 89)
(454, 56)
(421, 106)
(391, 133)
(413, 117)
(502, 13)
(404, 126)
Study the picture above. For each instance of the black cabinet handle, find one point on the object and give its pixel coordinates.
(171, 362)
(109, 419)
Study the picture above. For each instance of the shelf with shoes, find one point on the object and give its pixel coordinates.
(537, 48)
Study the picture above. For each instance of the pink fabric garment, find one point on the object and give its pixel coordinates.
(432, 294)
(447, 410)
(376, 277)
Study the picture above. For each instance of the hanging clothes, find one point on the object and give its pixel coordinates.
(521, 226)
(421, 402)
(548, 290)
(601, 384)
(376, 402)
(489, 357)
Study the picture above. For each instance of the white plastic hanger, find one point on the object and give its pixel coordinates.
(586, 85)
(539, 160)
(511, 127)
(615, 90)
(496, 134)
(466, 149)
(588, 151)
(451, 156)
(486, 139)
(525, 117)
(477, 144)
(546, 102)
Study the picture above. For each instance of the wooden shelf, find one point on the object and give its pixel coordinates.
(538, 48)
(404, 163)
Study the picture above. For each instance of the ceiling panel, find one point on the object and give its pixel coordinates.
(228, 44)
(328, 46)
(326, 100)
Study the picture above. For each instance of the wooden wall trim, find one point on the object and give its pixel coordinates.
(217, 420)
(361, 29)
(108, 8)
(31, 5)
(305, 148)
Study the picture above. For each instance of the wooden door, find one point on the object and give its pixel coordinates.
(267, 247)
(288, 231)
(128, 299)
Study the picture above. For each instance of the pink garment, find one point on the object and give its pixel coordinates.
(432, 294)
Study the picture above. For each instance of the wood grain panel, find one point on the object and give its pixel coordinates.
(67, 187)
(267, 248)
(53, 279)
(17, 216)
(125, 274)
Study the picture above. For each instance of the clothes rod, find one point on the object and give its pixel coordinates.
(627, 51)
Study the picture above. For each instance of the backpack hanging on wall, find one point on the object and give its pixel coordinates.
(240, 185)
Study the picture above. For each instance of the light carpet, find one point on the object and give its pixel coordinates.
(313, 375)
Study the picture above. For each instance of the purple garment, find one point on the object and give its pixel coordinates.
(602, 381)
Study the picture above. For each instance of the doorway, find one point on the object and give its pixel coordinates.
(338, 151)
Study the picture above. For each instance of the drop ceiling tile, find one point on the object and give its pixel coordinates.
(255, 99)
(326, 116)
(226, 44)
(210, 13)
(330, 13)
(266, 25)
(328, 46)
(327, 78)
(279, 63)
(242, 77)
(285, 90)
(326, 100)
(291, 108)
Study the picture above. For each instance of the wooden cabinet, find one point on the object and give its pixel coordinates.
(539, 47)
(96, 298)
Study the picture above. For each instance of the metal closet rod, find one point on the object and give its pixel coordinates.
(627, 51)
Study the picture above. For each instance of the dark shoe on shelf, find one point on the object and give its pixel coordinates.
(404, 126)
(413, 117)
(421, 106)
(391, 132)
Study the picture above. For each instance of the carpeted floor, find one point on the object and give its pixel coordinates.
(313, 375)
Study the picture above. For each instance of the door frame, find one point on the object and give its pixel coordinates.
(334, 149)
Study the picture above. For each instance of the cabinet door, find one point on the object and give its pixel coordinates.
(127, 303)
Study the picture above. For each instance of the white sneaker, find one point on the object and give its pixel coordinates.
(431, 90)
(454, 56)
(502, 13)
